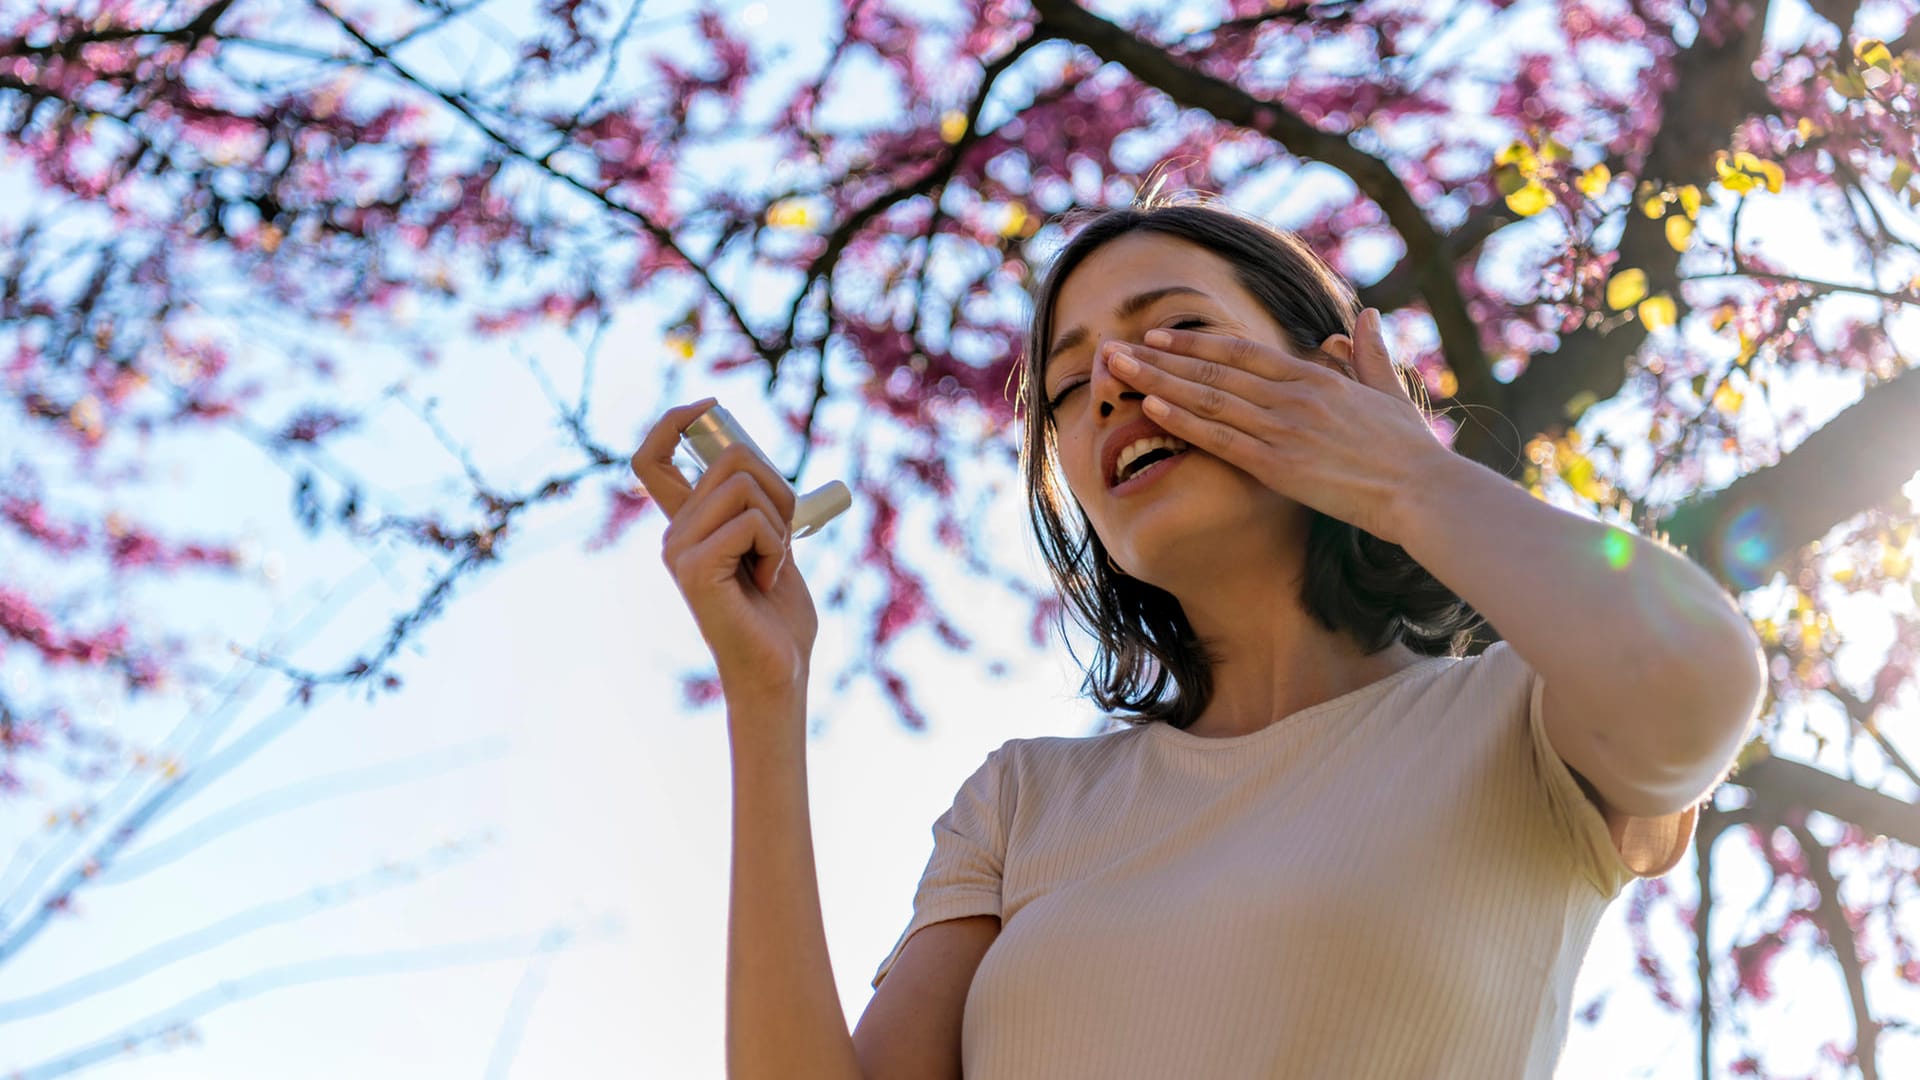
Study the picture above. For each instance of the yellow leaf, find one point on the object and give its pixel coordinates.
(1626, 288)
(1874, 53)
(1748, 171)
(1895, 563)
(1509, 179)
(790, 214)
(1578, 404)
(1690, 200)
(1847, 84)
(1520, 154)
(953, 126)
(1902, 172)
(1679, 233)
(1730, 174)
(1014, 220)
(1530, 200)
(1747, 345)
(1554, 150)
(1658, 312)
(1595, 180)
(1805, 127)
(1579, 476)
(1655, 205)
(1755, 750)
(1727, 399)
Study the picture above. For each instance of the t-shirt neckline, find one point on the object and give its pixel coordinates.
(1168, 733)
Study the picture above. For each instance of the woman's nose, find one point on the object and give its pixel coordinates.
(1109, 389)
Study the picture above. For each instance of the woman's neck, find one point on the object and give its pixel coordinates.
(1272, 668)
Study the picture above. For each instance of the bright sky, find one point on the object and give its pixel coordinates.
(542, 732)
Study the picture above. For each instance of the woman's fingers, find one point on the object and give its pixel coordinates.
(714, 504)
(717, 557)
(653, 462)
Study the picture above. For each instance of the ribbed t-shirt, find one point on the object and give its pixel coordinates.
(1400, 882)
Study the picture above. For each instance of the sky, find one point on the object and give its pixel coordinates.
(519, 865)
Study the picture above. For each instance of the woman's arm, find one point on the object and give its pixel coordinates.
(1653, 675)
(783, 1010)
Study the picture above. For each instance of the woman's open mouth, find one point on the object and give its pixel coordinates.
(1139, 479)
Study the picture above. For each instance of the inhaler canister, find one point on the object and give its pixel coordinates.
(716, 429)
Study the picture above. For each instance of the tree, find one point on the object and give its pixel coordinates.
(216, 187)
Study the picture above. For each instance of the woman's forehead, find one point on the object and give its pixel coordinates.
(1137, 264)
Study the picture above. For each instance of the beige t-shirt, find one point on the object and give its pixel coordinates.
(1399, 882)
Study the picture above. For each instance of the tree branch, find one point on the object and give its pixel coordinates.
(660, 233)
(1714, 89)
(1860, 459)
(1429, 255)
(1779, 786)
(1833, 919)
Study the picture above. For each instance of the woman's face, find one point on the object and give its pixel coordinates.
(1171, 530)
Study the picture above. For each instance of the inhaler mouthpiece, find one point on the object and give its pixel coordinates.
(716, 429)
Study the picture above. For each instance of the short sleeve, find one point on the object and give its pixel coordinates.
(962, 877)
(1646, 846)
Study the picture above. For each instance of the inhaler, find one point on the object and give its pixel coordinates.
(716, 429)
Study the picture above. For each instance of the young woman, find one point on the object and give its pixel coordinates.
(1324, 842)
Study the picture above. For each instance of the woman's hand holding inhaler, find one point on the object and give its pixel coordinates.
(728, 541)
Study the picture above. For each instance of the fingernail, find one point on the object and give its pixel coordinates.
(1124, 363)
(1159, 339)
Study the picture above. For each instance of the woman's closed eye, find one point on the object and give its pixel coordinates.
(1178, 324)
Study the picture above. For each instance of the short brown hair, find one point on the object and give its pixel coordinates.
(1355, 582)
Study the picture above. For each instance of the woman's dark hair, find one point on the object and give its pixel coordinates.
(1354, 582)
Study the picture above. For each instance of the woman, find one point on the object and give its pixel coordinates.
(1325, 843)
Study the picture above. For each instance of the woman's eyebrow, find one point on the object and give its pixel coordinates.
(1131, 306)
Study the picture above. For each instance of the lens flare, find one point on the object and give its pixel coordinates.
(1749, 546)
(1618, 548)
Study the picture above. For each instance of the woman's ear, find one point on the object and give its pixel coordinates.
(1339, 349)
